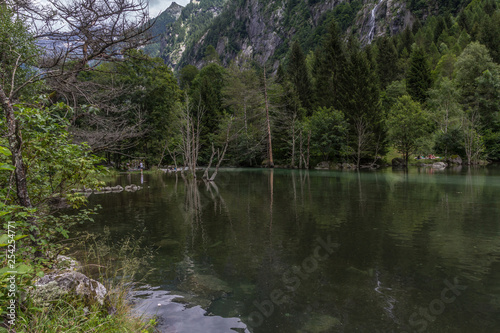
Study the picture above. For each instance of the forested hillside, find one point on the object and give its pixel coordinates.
(264, 30)
(177, 27)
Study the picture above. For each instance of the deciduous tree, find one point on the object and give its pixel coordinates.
(407, 123)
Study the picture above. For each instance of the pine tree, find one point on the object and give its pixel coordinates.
(489, 34)
(297, 73)
(359, 99)
(418, 80)
(387, 59)
(405, 40)
(330, 61)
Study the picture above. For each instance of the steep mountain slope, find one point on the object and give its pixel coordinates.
(262, 30)
(164, 20)
(179, 26)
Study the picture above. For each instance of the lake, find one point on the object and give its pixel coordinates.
(267, 250)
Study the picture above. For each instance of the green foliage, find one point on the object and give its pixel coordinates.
(298, 75)
(418, 80)
(243, 98)
(329, 130)
(470, 65)
(148, 95)
(206, 93)
(444, 103)
(73, 314)
(53, 163)
(329, 65)
(407, 123)
(387, 59)
(449, 143)
(17, 46)
(187, 75)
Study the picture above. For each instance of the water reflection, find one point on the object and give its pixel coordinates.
(225, 246)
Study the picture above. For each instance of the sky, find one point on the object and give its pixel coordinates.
(157, 6)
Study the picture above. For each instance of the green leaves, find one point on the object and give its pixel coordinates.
(19, 268)
(4, 239)
(4, 151)
(4, 166)
(328, 133)
(407, 124)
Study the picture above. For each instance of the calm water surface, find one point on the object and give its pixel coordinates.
(319, 251)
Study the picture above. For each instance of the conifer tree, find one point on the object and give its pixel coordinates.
(329, 63)
(359, 101)
(418, 80)
(297, 72)
(489, 34)
(387, 58)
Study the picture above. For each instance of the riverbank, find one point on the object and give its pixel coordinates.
(64, 297)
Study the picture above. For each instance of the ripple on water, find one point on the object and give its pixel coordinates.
(180, 318)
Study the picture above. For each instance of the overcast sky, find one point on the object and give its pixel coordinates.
(157, 6)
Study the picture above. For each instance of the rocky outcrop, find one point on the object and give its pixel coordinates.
(262, 30)
(110, 189)
(439, 165)
(454, 159)
(54, 286)
(398, 162)
(391, 16)
(323, 166)
(66, 281)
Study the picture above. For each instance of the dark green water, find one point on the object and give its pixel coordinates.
(319, 251)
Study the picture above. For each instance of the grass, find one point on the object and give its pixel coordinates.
(392, 153)
(74, 316)
(117, 266)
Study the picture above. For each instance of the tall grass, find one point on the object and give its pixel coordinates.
(120, 267)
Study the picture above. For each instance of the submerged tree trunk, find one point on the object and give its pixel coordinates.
(301, 154)
(308, 149)
(269, 139)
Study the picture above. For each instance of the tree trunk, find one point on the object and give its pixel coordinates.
(205, 174)
(308, 149)
(301, 154)
(15, 146)
(269, 139)
(293, 145)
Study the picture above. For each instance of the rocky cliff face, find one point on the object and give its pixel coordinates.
(177, 27)
(383, 17)
(165, 19)
(262, 30)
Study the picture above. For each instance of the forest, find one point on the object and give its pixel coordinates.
(74, 101)
(433, 89)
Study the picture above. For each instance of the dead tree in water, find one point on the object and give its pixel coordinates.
(220, 155)
(268, 122)
(189, 122)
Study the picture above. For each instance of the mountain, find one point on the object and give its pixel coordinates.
(179, 26)
(160, 25)
(263, 30)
